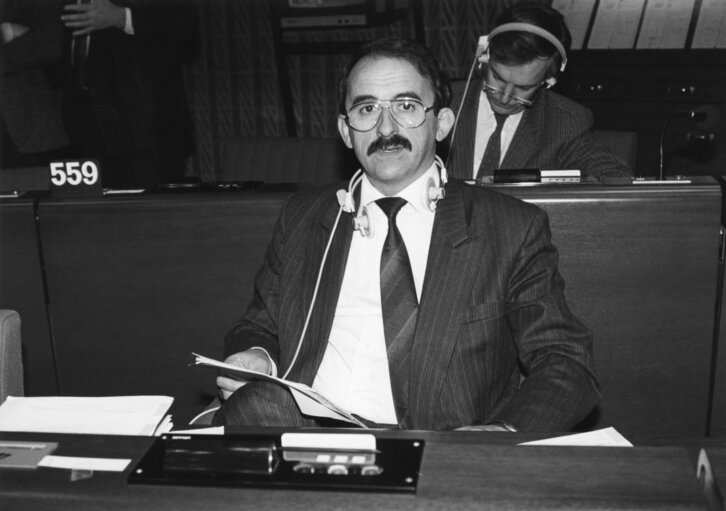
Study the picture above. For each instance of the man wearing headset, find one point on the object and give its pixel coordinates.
(487, 341)
(537, 129)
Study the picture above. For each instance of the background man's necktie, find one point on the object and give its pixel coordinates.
(398, 303)
(493, 152)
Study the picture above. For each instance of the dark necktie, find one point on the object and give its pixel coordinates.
(493, 152)
(399, 305)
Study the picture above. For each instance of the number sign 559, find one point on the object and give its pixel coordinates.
(74, 177)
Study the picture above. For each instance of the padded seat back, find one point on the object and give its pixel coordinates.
(623, 144)
(11, 362)
(287, 160)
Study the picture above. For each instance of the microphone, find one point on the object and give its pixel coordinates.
(706, 116)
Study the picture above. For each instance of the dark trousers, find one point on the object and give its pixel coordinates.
(262, 403)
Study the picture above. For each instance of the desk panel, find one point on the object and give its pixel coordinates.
(468, 475)
(640, 265)
(137, 284)
(21, 289)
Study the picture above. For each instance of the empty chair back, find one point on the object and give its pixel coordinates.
(11, 361)
(287, 160)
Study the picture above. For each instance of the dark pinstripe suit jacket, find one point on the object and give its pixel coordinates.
(492, 311)
(30, 105)
(554, 134)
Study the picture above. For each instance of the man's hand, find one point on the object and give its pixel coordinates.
(253, 359)
(95, 15)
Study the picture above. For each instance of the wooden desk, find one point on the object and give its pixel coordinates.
(641, 267)
(138, 283)
(456, 473)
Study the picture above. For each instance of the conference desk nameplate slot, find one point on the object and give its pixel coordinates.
(261, 461)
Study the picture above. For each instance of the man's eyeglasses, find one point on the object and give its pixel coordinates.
(407, 112)
(496, 90)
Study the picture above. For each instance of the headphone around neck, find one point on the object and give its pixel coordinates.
(482, 50)
(346, 201)
(360, 223)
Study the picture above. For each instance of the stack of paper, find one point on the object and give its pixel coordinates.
(118, 415)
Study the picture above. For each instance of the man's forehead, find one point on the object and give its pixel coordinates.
(387, 78)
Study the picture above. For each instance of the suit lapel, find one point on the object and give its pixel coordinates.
(321, 319)
(526, 139)
(447, 288)
(465, 136)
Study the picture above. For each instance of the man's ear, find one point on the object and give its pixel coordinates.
(344, 130)
(446, 118)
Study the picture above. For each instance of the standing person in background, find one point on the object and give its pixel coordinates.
(31, 50)
(510, 119)
(126, 104)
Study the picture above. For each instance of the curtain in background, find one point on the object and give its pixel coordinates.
(233, 86)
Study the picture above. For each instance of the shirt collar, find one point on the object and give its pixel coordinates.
(486, 109)
(415, 193)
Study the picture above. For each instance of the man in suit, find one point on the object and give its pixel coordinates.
(33, 131)
(471, 330)
(126, 104)
(510, 119)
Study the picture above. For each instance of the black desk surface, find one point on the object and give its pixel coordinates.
(459, 471)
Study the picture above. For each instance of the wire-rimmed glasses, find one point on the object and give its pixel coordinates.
(496, 90)
(407, 112)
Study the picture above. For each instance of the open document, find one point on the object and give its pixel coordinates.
(117, 415)
(310, 401)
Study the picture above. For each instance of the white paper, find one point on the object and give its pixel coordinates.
(665, 24)
(212, 430)
(616, 24)
(577, 15)
(164, 426)
(78, 463)
(711, 27)
(117, 415)
(607, 437)
(356, 441)
(308, 399)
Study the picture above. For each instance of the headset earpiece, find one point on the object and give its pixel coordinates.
(482, 50)
(345, 200)
(363, 224)
(550, 82)
(433, 194)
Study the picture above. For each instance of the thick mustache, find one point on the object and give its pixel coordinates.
(383, 143)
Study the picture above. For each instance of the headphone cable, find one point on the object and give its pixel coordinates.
(351, 186)
(461, 107)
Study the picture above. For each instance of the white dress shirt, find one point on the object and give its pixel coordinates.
(354, 370)
(485, 125)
